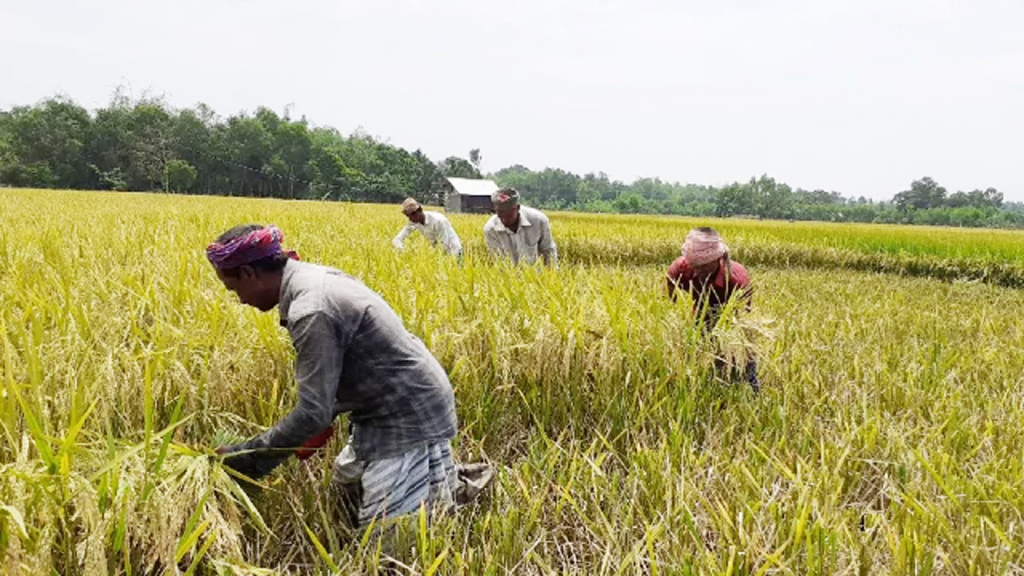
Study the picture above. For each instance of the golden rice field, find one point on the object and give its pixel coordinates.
(887, 438)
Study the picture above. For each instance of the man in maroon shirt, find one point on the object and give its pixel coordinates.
(711, 277)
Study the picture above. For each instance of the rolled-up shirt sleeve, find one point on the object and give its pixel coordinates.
(319, 351)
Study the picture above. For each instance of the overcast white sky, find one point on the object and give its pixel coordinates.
(859, 96)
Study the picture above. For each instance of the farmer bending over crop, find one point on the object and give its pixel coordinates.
(519, 232)
(711, 277)
(353, 354)
(434, 226)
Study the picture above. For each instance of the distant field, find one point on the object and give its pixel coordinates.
(887, 438)
(995, 256)
(944, 242)
(637, 240)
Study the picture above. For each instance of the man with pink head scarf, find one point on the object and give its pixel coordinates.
(706, 271)
(354, 355)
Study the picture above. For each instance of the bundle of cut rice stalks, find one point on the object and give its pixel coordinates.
(172, 513)
(737, 339)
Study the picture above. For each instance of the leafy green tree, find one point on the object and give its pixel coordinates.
(292, 154)
(149, 145)
(770, 198)
(455, 167)
(818, 197)
(629, 203)
(429, 182)
(50, 141)
(193, 142)
(923, 194)
(249, 147)
(988, 198)
(652, 189)
(109, 147)
(735, 199)
(179, 176)
(595, 187)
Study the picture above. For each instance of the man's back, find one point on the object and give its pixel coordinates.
(718, 288)
(439, 229)
(396, 392)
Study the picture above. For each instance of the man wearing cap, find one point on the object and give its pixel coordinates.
(706, 271)
(433, 225)
(519, 232)
(352, 354)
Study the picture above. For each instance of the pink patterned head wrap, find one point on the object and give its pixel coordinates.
(256, 245)
(702, 246)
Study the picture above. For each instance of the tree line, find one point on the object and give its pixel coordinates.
(147, 145)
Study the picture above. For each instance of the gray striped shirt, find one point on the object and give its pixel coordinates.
(354, 354)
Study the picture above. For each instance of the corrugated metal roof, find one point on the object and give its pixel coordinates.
(473, 187)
